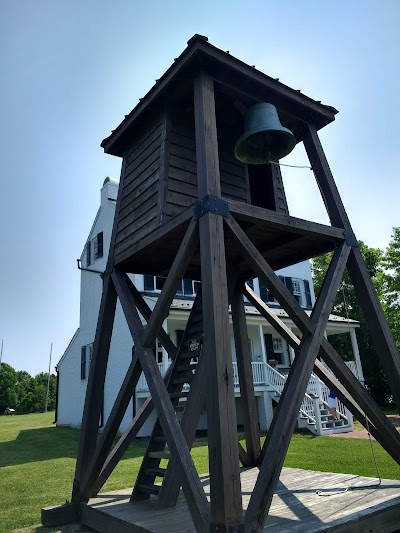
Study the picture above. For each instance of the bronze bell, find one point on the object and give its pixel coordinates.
(265, 139)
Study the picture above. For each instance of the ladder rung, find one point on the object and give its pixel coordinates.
(159, 439)
(148, 489)
(178, 395)
(159, 455)
(179, 381)
(187, 355)
(158, 472)
(186, 366)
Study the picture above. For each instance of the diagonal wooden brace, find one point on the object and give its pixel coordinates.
(114, 421)
(381, 335)
(349, 390)
(284, 421)
(95, 386)
(176, 273)
(194, 494)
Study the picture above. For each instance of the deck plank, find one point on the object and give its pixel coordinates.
(295, 506)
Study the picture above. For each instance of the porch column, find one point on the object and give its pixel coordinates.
(356, 353)
(164, 351)
(291, 352)
(263, 350)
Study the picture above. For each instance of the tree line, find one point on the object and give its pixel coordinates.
(384, 269)
(25, 393)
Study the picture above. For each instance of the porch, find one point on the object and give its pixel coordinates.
(314, 415)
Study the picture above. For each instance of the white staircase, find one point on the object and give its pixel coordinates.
(314, 414)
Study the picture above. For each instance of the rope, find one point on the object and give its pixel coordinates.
(291, 166)
(332, 492)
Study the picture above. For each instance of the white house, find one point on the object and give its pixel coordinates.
(271, 356)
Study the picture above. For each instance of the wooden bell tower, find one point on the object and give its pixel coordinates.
(187, 208)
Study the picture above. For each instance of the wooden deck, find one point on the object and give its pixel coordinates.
(295, 506)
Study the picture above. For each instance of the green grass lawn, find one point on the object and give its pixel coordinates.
(37, 463)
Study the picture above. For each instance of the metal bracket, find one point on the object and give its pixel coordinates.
(210, 203)
(351, 239)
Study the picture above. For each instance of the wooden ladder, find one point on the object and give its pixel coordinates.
(181, 374)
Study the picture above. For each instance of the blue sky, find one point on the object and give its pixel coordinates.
(71, 69)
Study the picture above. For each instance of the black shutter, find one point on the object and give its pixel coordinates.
(99, 245)
(88, 255)
(148, 282)
(187, 287)
(269, 346)
(263, 291)
(289, 284)
(83, 362)
(307, 292)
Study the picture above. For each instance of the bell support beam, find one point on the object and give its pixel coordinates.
(349, 390)
(225, 489)
(95, 386)
(243, 358)
(176, 273)
(378, 327)
(194, 494)
(286, 414)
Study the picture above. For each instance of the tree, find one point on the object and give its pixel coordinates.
(24, 393)
(8, 394)
(347, 305)
(391, 284)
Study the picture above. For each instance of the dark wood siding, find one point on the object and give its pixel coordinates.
(138, 210)
(182, 176)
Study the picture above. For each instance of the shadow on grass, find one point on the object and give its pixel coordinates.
(44, 444)
(69, 528)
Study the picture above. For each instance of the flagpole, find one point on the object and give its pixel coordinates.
(48, 380)
(1, 352)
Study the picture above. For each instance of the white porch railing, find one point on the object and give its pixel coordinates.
(258, 369)
(142, 383)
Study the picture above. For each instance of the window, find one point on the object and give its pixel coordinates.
(148, 282)
(277, 344)
(94, 249)
(296, 290)
(152, 283)
(307, 293)
(265, 294)
(86, 359)
(83, 362)
(159, 352)
(187, 287)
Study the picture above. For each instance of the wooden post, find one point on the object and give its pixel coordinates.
(349, 390)
(280, 433)
(194, 494)
(243, 357)
(225, 490)
(376, 320)
(95, 386)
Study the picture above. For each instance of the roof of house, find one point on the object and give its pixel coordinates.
(229, 71)
(185, 305)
